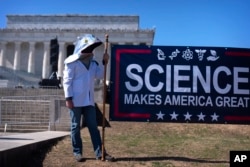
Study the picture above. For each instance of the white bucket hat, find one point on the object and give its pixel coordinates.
(84, 44)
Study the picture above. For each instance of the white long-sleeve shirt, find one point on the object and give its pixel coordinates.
(78, 82)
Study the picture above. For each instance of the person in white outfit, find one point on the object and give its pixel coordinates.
(79, 75)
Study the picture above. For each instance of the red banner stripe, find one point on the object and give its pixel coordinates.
(117, 87)
(131, 115)
(237, 118)
(231, 53)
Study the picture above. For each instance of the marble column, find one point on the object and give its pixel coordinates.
(61, 59)
(31, 61)
(46, 59)
(2, 54)
(17, 56)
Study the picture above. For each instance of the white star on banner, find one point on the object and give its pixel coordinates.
(160, 115)
(214, 117)
(187, 116)
(201, 117)
(174, 116)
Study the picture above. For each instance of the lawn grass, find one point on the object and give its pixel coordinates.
(136, 144)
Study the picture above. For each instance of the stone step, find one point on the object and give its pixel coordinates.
(24, 127)
(15, 149)
(24, 118)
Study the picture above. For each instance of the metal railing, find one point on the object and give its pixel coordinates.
(33, 108)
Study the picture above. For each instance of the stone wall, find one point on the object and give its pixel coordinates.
(72, 22)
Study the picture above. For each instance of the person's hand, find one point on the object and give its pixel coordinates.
(105, 58)
(69, 104)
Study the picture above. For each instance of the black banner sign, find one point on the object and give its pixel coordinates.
(180, 84)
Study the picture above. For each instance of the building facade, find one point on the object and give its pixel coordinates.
(25, 42)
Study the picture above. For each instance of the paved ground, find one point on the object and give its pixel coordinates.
(15, 148)
(10, 141)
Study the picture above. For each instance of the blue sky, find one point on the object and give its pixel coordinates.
(222, 23)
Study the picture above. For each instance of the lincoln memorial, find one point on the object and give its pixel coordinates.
(25, 42)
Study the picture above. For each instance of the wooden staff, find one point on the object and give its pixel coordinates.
(104, 98)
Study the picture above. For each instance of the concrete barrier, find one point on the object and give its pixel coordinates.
(16, 149)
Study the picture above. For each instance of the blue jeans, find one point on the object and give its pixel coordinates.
(89, 114)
